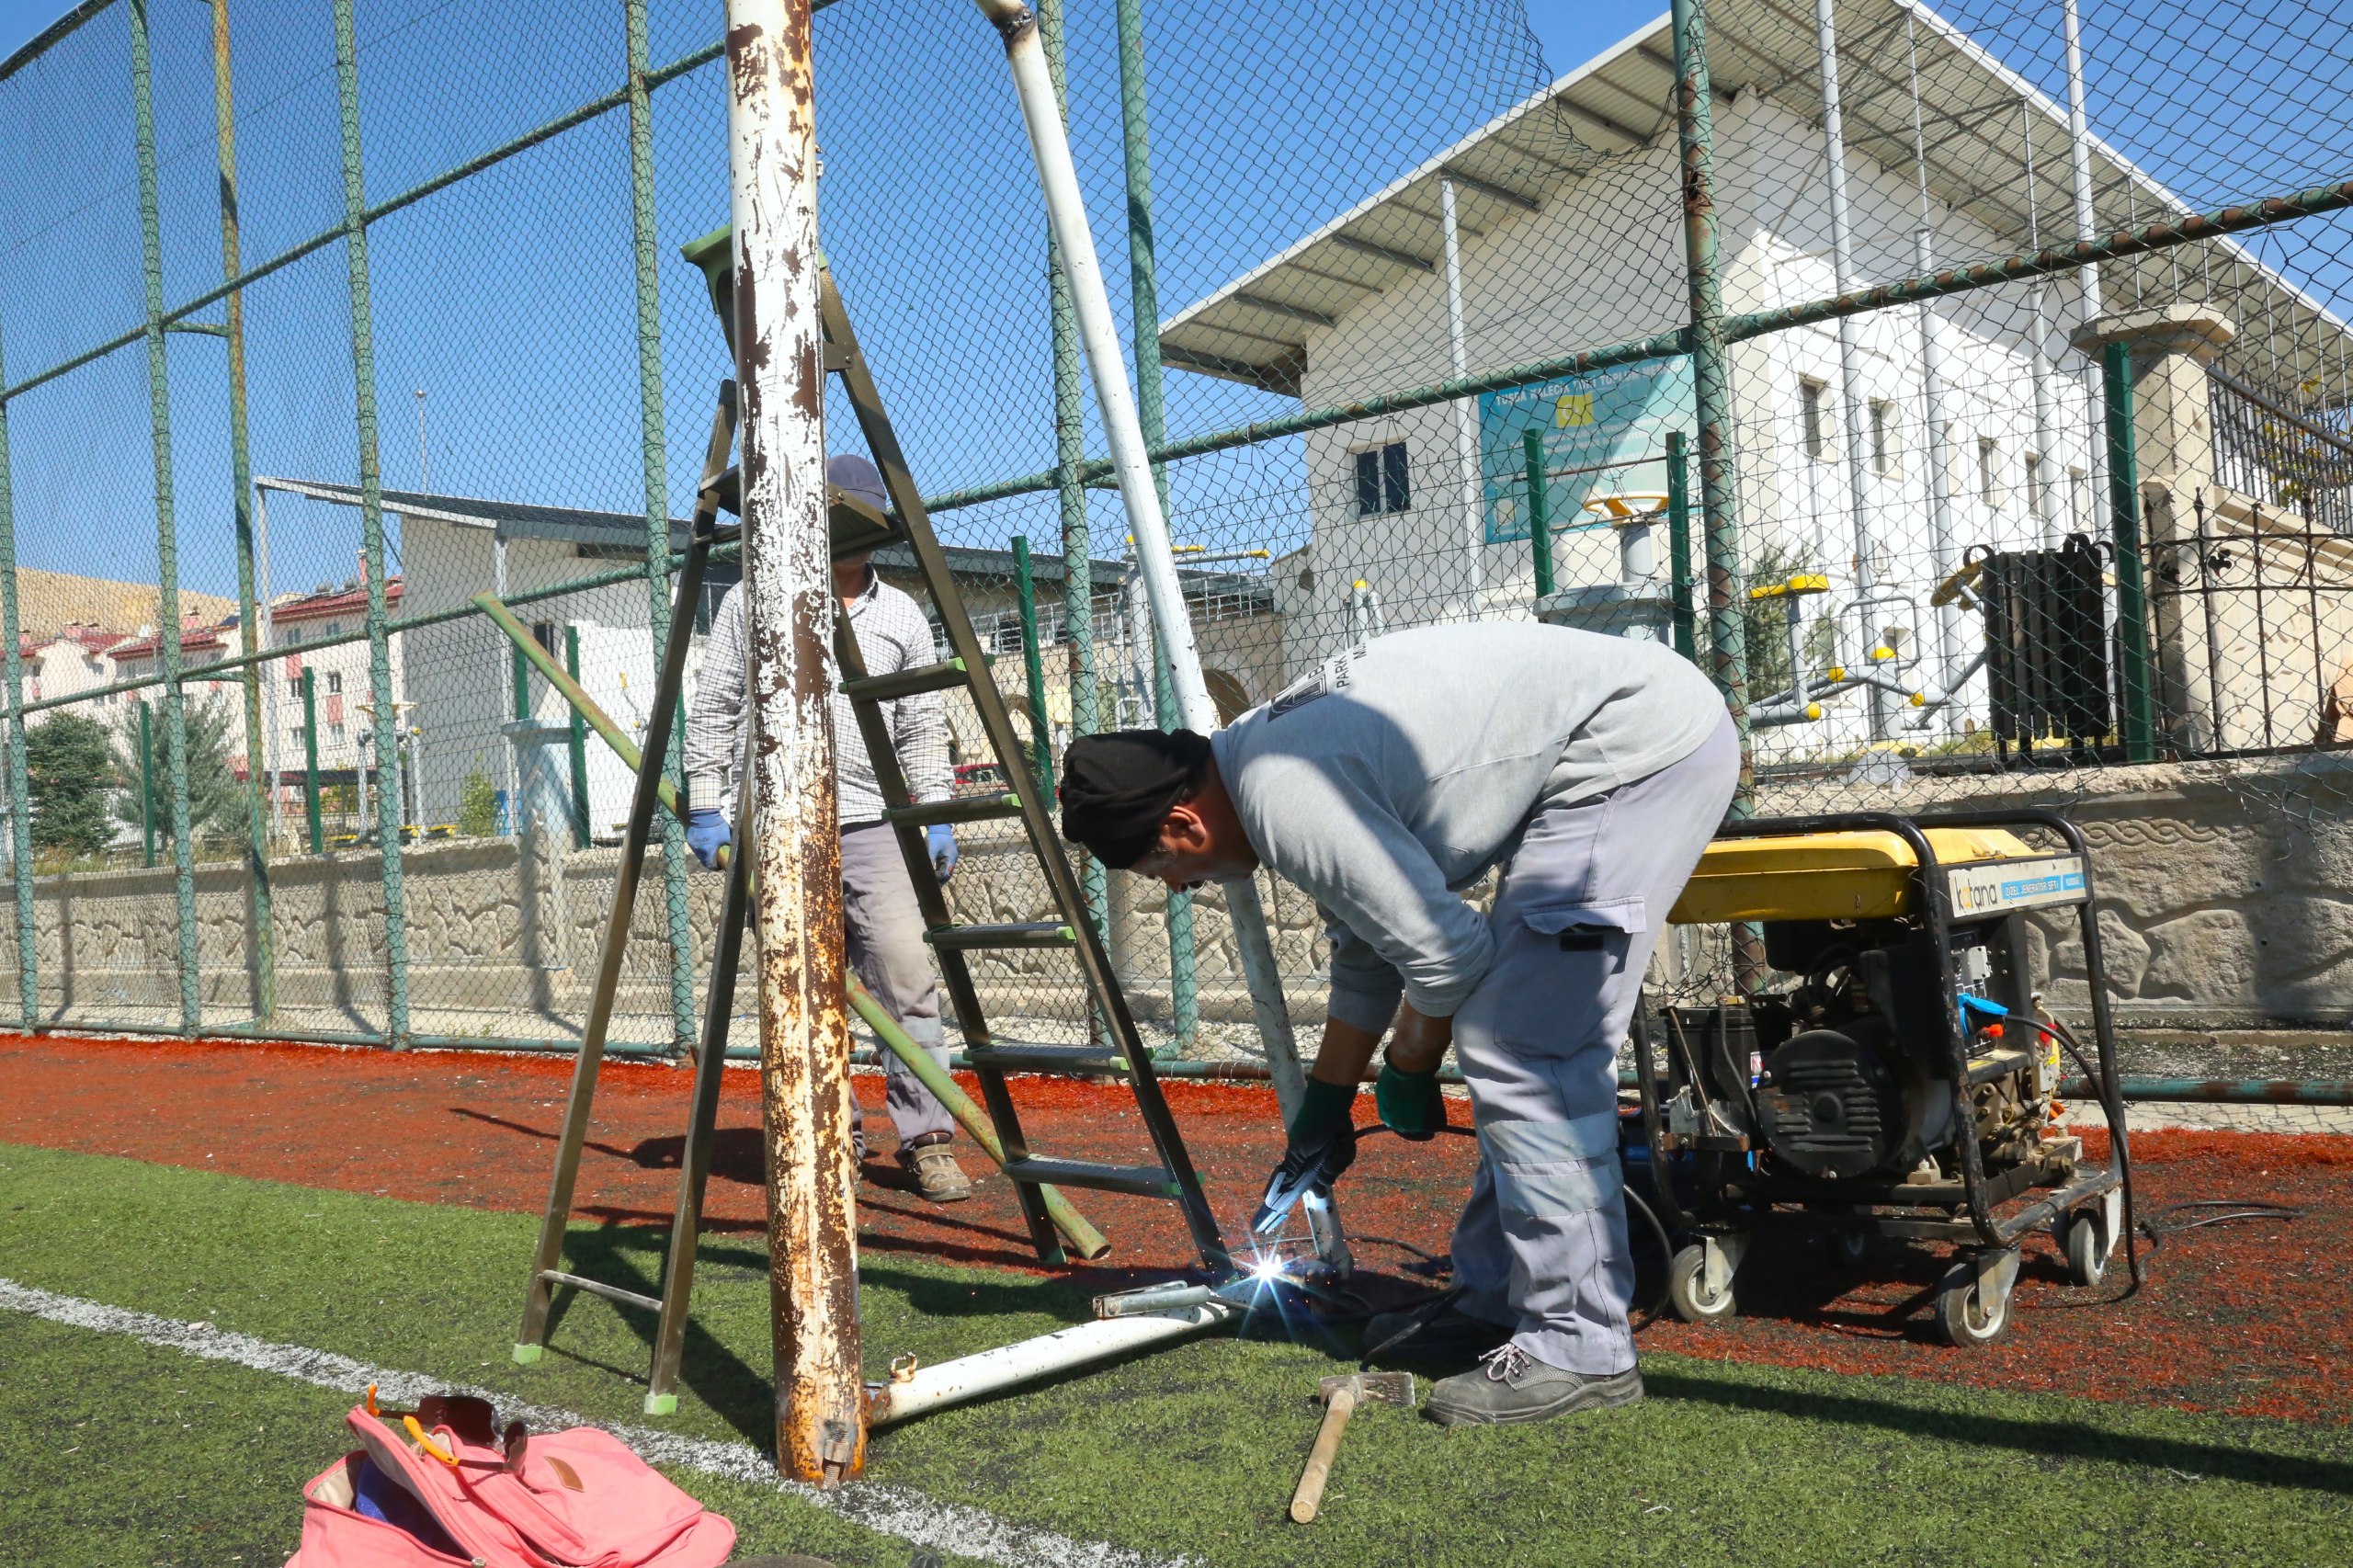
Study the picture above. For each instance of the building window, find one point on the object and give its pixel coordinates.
(2079, 490)
(335, 733)
(2038, 497)
(1813, 406)
(1383, 485)
(1989, 471)
(335, 683)
(294, 690)
(1886, 457)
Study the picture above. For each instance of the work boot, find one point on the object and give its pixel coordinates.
(1510, 1387)
(937, 1176)
(1450, 1334)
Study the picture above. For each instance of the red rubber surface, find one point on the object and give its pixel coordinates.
(2244, 1318)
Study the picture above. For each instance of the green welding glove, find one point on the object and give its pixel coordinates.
(1321, 1147)
(1409, 1103)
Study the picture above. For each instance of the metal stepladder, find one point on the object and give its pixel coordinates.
(856, 528)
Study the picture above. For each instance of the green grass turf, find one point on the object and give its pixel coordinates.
(1193, 1451)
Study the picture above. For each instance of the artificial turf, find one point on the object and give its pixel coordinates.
(1188, 1452)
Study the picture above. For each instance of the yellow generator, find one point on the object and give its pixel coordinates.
(1903, 1084)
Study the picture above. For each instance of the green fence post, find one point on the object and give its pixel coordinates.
(2131, 589)
(1033, 664)
(20, 823)
(1540, 514)
(371, 526)
(168, 609)
(1070, 457)
(311, 762)
(1143, 285)
(654, 458)
(263, 934)
(522, 686)
(578, 744)
(146, 786)
(1678, 543)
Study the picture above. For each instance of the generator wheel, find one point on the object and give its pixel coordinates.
(1687, 1288)
(2084, 1240)
(1963, 1317)
(1848, 1248)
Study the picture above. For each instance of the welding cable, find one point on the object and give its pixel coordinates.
(2156, 1230)
(2112, 1109)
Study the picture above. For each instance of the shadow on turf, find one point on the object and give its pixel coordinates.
(2053, 1440)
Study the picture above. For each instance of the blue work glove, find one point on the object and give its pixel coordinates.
(944, 853)
(707, 834)
(1322, 1146)
(1410, 1103)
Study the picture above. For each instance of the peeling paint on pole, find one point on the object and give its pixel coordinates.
(804, 1020)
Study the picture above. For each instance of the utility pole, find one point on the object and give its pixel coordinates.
(795, 841)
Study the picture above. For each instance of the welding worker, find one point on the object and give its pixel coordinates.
(879, 915)
(1593, 770)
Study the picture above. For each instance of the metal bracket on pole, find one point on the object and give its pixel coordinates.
(1115, 401)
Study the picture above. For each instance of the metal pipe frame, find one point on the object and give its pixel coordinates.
(260, 916)
(789, 616)
(371, 535)
(654, 459)
(167, 608)
(1143, 322)
(12, 664)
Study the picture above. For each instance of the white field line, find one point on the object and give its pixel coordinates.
(888, 1510)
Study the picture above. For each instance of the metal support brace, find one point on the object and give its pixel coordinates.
(21, 838)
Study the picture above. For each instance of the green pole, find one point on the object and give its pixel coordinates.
(2132, 590)
(146, 786)
(20, 827)
(1070, 457)
(578, 744)
(654, 463)
(311, 761)
(1540, 513)
(1143, 285)
(522, 686)
(1678, 543)
(168, 610)
(260, 917)
(1711, 383)
(1033, 662)
(371, 524)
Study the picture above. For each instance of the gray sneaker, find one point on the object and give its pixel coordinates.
(936, 1174)
(1510, 1387)
(1452, 1334)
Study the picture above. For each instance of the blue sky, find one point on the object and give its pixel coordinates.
(508, 299)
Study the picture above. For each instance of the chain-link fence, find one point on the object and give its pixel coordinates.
(1412, 320)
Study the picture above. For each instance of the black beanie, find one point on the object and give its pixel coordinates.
(1117, 788)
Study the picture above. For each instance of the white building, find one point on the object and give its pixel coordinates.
(1558, 227)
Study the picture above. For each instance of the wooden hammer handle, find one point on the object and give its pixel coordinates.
(1310, 1496)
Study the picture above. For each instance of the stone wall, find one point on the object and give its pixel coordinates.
(2225, 895)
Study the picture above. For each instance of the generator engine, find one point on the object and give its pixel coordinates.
(1844, 1075)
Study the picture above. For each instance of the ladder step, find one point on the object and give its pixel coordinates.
(907, 682)
(598, 1288)
(1143, 1181)
(970, 808)
(1086, 1061)
(1031, 934)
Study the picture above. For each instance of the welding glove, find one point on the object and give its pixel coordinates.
(944, 853)
(1323, 1144)
(1410, 1103)
(707, 834)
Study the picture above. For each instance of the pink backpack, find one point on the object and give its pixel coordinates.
(439, 1488)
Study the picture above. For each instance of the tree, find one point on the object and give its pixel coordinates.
(68, 776)
(218, 802)
(477, 806)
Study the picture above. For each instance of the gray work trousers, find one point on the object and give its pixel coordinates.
(884, 931)
(1542, 1242)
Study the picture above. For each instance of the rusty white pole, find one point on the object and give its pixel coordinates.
(804, 1014)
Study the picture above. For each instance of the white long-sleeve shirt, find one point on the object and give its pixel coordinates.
(1398, 772)
(892, 635)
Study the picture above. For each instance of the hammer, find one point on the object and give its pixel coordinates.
(1340, 1397)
